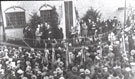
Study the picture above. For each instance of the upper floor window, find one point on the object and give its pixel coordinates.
(45, 12)
(15, 17)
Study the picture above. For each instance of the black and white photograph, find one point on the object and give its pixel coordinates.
(67, 39)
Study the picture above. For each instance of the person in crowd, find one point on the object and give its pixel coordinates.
(58, 33)
(89, 26)
(44, 31)
(84, 29)
(38, 34)
(28, 35)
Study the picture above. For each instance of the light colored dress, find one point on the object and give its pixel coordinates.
(84, 30)
(38, 35)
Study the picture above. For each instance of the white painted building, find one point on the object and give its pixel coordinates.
(24, 10)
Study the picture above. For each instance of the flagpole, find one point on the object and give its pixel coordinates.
(124, 28)
(125, 14)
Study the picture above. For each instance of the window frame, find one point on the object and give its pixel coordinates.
(43, 8)
(45, 15)
(18, 18)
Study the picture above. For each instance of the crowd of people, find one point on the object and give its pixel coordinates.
(96, 61)
(102, 56)
(43, 31)
(89, 28)
(98, 26)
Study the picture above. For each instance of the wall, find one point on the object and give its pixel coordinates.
(30, 7)
(14, 33)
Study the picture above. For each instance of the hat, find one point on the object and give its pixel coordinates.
(6, 50)
(39, 72)
(20, 47)
(58, 60)
(18, 61)
(59, 70)
(10, 59)
(2, 71)
(132, 52)
(45, 68)
(86, 48)
(58, 55)
(79, 53)
(13, 48)
(70, 53)
(61, 78)
(59, 48)
(7, 62)
(51, 77)
(45, 77)
(128, 69)
(132, 63)
(117, 42)
(87, 71)
(32, 49)
(97, 57)
(55, 72)
(28, 68)
(61, 64)
(87, 54)
(70, 44)
(110, 48)
(34, 77)
(20, 71)
(28, 62)
(24, 78)
(105, 68)
(44, 73)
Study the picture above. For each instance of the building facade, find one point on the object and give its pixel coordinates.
(16, 14)
(65, 8)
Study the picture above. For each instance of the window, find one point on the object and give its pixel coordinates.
(15, 19)
(46, 15)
